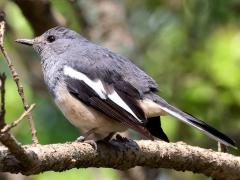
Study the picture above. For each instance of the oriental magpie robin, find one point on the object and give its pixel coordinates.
(101, 92)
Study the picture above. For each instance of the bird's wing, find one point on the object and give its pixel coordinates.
(105, 61)
(113, 97)
(127, 83)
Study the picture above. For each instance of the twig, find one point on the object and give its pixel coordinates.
(17, 81)
(7, 139)
(2, 111)
(15, 123)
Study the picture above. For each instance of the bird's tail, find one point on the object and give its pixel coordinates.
(202, 126)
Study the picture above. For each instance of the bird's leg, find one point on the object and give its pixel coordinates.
(83, 138)
(109, 137)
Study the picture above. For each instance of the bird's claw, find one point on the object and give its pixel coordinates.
(82, 139)
(121, 138)
(92, 143)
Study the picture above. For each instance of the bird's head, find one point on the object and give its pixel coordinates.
(54, 41)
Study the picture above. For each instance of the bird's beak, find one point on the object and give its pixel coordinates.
(28, 42)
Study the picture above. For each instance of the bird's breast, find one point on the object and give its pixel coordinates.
(83, 116)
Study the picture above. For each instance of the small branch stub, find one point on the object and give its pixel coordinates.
(2, 90)
(2, 27)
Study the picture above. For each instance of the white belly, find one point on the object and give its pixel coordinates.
(85, 117)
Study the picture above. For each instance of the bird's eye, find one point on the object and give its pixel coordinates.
(51, 38)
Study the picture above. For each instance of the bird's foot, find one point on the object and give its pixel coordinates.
(121, 138)
(92, 143)
(108, 138)
(82, 139)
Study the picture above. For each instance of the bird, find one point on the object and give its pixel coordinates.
(102, 92)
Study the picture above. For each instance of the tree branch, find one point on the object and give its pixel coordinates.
(112, 31)
(39, 14)
(16, 150)
(154, 154)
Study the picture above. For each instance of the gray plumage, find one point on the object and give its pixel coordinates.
(108, 84)
(91, 59)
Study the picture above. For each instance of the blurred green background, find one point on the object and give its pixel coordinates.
(190, 47)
